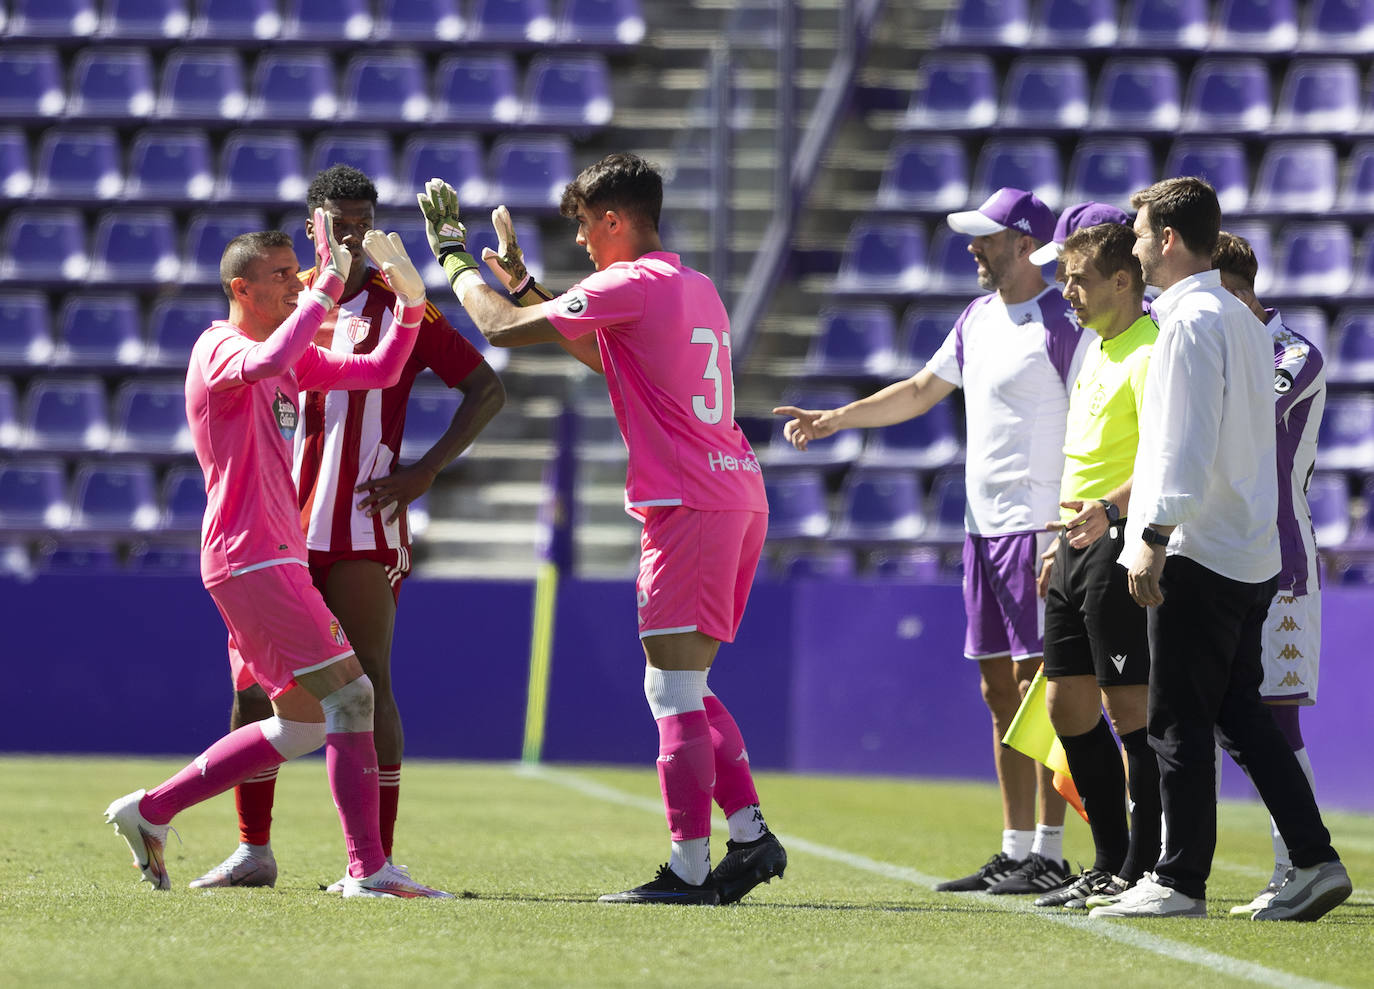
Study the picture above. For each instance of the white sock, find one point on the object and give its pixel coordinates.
(691, 860)
(1281, 859)
(1048, 842)
(746, 824)
(1017, 844)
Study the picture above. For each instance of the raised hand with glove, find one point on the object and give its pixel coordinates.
(389, 256)
(446, 233)
(507, 263)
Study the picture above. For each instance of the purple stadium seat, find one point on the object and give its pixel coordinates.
(150, 418)
(951, 268)
(66, 19)
(1296, 177)
(456, 158)
(170, 166)
(16, 171)
(883, 256)
(1247, 26)
(420, 20)
(1227, 95)
(163, 559)
(1139, 95)
(1319, 96)
(44, 245)
(530, 171)
(429, 413)
(79, 162)
(135, 246)
(236, 20)
(10, 432)
(815, 563)
(31, 84)
(26, 337)
(603, 23)
(510, 21)
(926, 442)
(261, 166)
(796, 504)
(477, 88)
(986, 23)
(1353, 356)
(879, 505)
(369, 151)
(111, 82)
(207, 233)
(1308, 322)
(1357, 189)
(925, 173)
(1314, 259)
(1261, 240)
(1045, 92)
(957, 91)
(33, 495)
(568, 91)
(1328, 496)
(202, 84)
(174, 325)
(853, 341)
(1109, 170)
(66, 415)
(1221, 161)
(920, 565)
(1022, 163)
(1339, 26)
(922, 330)
(100, 330)
(389, 87)
(294, 84)
(145, 20)
(1166, 25)
(337, 21)
(838, 450)
(183, 500)
(945, 508)
(114, 498)
(76, 557)
(1065, 25)
(1345, 440)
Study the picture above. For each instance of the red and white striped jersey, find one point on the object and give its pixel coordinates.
(348, 437)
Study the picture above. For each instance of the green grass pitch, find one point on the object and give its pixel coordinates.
(529, 852)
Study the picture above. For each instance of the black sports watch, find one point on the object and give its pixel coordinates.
(1113, 513)
(1154, 537)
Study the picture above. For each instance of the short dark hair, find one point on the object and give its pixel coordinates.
(1108, 247)
(340, 182)
(1233, 255)
(623, 182)
(1188, 205)
(243, 250)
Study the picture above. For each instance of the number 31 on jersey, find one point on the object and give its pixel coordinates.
(713, 411)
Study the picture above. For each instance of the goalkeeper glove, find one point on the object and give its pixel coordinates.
(331, 257)
(446, 233)
(389, 255)
(507, 263)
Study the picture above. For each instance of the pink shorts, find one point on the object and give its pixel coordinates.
(279, 627)
(695, 570)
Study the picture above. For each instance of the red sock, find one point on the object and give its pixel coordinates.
(390, 794)
(686, 773)
(734, 779)
(235, 757)
(253, 798)
(350, 758)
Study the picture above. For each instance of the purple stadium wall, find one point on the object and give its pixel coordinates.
(836, 677)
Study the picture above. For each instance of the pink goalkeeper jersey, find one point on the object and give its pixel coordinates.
(664, 340)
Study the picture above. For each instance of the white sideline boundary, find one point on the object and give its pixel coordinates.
(1121, 932)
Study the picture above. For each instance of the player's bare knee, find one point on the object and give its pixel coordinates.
(350, 708)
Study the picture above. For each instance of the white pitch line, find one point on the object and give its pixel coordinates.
(1126, 934)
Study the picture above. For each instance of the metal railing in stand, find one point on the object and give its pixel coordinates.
(722, 153)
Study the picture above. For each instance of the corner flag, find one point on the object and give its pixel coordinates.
(1032, 734)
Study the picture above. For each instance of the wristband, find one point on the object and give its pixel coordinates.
(411, 315)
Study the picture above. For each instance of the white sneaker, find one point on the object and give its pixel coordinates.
(146, 841)
(390, 880)
(1260, 901)
(1147, 898)
(338, 885)
(1307, 894)
(250, 865)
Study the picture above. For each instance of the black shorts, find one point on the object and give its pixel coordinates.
(1092, 625)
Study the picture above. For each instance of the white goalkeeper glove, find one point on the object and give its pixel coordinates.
(389, 255)
(331, 257)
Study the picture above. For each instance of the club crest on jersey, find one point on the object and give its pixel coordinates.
(287, 415)
(572, 302)
(356, 328)
(337, 632)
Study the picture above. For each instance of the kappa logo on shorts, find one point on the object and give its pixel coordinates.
(286, 414)
(573, 302)
(1290, 651)
(1292, 680)
(337, 632)
(1288, 625)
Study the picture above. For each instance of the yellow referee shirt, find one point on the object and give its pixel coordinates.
(1104, 414)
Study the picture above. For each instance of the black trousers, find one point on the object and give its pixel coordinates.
(1205, 675)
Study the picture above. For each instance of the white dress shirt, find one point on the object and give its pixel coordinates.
(1206, 457)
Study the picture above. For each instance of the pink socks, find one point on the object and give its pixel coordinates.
(734, 779)
(351, 761)
(686, 773)
(234, 758)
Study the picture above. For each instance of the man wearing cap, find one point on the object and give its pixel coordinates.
(1096, 648)
(1015, 352)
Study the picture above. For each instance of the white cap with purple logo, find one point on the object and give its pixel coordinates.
(1087, 214)
(1007, 208)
